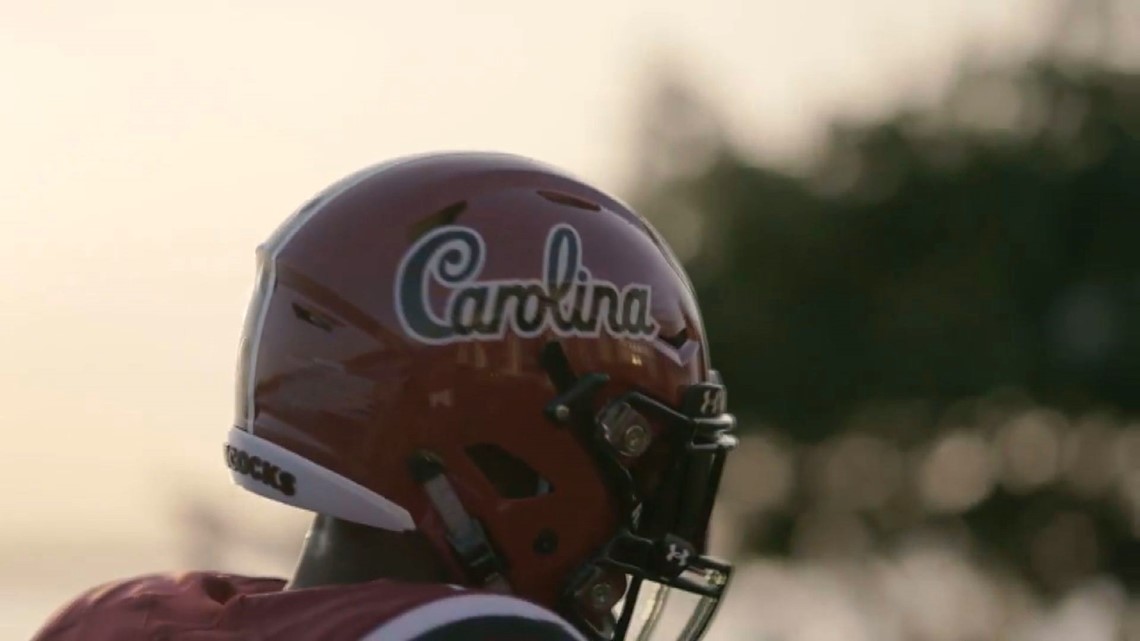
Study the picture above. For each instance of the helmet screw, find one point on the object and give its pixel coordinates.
(635, 440)
(601, 596)
(562, 413)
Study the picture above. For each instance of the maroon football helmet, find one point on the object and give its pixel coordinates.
(487, 350)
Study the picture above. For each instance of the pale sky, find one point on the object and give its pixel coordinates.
(148, 147)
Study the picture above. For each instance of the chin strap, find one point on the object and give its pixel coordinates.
(464, 533)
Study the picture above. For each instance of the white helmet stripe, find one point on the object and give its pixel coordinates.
(267, 255)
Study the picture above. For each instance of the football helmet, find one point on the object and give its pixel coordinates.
(492, 352)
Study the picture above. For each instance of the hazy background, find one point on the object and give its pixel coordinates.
(920, 219)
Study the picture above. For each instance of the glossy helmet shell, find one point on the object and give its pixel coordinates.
(351, 361)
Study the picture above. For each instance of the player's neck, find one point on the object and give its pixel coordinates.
(338, 552)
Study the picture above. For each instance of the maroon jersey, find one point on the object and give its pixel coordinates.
(203, 606)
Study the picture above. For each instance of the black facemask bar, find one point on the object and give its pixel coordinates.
(663, 536)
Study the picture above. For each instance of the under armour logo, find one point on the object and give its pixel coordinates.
(713, 402)
(678, 555)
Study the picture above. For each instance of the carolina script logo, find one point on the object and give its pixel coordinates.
(568, 301)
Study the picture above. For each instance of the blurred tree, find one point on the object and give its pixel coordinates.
(932, 257)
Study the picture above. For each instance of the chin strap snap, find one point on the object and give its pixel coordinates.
(465, 534)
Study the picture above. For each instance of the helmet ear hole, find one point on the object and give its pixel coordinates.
(546, 542)
(511, 477)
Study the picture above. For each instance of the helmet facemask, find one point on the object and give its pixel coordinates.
(659, 549)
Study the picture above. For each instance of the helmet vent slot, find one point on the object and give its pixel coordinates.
(676, 341)
(313, 317)
(511, 477)
(441, 218)
(566, 199)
